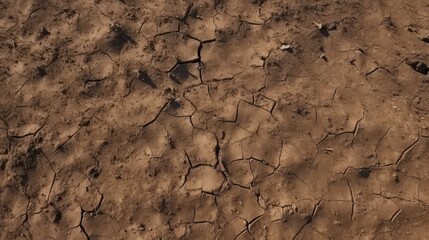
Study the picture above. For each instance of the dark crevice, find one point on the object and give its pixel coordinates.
(60, 147)
(219, 163)
(418, 66)
(157, 115)
(401, 157)
(353, 200)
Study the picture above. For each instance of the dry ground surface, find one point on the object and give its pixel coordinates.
(214, 119)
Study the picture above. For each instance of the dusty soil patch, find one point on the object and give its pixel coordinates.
(214, 119)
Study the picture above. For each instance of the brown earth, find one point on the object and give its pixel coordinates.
(214, 119)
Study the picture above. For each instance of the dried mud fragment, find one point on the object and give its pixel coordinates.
(203, 149)
(205, 178)
(200, 231)
(266, 150)
(250, 117)
(241, 172)
(239, 202)
(206, 209)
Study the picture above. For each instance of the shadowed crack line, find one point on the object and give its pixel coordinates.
(22, 85)
(200, 60)
(379, 141)
(30, 14)
(408, 149)
(26, 214)
(60, 147)
(83, 212)
(31, 133)
(254, 220)
(354, 132)
(309, 220)
(250, 23)
(54, 177)
(395, 215)
(157, 115)
(191, 166)
(297, 177)
(168, 32)
(353, 200)
(371, 72)
(241, 233)
(219, 159)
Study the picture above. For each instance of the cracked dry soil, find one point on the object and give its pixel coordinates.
(214, 119)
